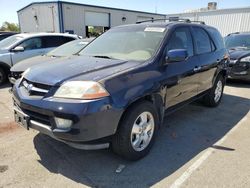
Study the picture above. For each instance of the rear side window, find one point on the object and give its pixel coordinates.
(217, 38)
(181, 39)
(202, 41)
(55, 41)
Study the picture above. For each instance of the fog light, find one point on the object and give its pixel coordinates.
(63, 123)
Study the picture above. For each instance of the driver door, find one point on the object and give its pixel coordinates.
(181, 77)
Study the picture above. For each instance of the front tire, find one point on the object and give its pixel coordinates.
(214, 95)
(136, 132)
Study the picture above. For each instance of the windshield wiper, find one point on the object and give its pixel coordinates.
(103, 56)
(54, 56)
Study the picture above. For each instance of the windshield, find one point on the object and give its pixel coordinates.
(138, 43)
(69, 48)
(6, 43)
(236, 41)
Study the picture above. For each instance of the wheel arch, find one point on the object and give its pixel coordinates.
(223, 73)
(155, 99)
(5, 67)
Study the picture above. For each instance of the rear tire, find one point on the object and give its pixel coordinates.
(136, 133)
(214, 95)
(3, 76)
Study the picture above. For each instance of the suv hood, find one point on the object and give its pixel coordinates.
(27, 63)
(76, 68)
(238, 54)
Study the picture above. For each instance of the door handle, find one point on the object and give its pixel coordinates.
(196, 69)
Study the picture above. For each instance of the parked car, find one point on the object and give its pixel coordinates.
(5, 34)
(22, 46)
(117, 91)
(238, 45)
(65, 50)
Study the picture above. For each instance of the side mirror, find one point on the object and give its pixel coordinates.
(176, 55)
(18, 49)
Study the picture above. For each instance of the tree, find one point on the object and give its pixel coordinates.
(6, 26)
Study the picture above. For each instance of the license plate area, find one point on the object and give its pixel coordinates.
(21, 119)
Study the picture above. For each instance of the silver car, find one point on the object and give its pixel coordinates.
(22, 46)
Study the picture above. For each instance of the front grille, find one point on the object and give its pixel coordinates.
(38, 117)
(41, 118)
(35, 88)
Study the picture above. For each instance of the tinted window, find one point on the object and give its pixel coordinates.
(212, 46)
(32, 43)
(217, 38)
(54, 41)
(181, 39)
(202, 41)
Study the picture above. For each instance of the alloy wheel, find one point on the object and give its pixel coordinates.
(218, 91)
(142, 131)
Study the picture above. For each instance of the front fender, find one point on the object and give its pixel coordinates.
(5, 60)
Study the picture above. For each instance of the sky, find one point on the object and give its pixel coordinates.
(8, 8)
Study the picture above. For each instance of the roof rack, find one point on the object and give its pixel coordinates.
(233, 33)
(200, 22)
(172, 19)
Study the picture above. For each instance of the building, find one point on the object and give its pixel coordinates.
(81, 19)
(226, 20)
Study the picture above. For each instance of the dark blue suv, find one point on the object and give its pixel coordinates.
(118, 89)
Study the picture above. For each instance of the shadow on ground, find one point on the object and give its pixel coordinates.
(238, 83)
(185, 134)
(5, 86)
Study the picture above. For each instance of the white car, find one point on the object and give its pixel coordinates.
(22, 46)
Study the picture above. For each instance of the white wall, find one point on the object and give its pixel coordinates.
(226, 21)
(74, 19)
(45, 21)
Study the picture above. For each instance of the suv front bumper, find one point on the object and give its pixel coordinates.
(93, 120)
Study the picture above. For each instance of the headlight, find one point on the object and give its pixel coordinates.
(245, 59)
(81, 90)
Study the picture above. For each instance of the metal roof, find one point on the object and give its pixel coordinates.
(88, 5)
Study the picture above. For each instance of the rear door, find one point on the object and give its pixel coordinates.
(208, 60)
(181, 79)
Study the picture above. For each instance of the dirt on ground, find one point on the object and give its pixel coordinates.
(8, 127)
